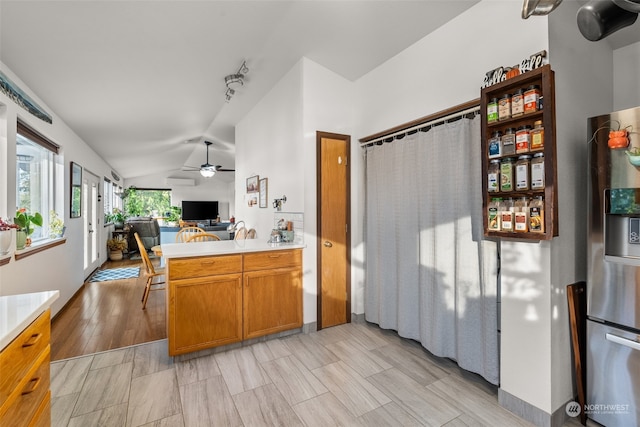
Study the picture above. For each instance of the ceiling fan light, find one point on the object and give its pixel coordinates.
(207, 172)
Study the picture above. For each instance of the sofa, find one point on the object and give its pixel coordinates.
(148, 230)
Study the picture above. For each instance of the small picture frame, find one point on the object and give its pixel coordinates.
(76, 190)
(252, 184)
(263, 192)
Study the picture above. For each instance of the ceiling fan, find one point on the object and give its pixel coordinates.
(207, 169)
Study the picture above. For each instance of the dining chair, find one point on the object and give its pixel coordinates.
(251, 234)
(186, 232)
(150, 272)
(203, 237)
(241, 234)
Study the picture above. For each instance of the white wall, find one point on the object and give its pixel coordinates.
(277, 140)
(444, 69)
(626, 69)
(204, 189)
(59, 268)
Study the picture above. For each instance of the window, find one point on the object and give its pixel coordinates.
(35, 176)
(112, 195)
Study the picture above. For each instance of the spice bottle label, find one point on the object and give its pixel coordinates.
(537, 175)
(492, 183)
(536, 219)
(494, 148)
(507, 220)
(522, 177)
(521, 221)
(494, 219)
(506, 171)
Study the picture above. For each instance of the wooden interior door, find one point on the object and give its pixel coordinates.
(334, 243)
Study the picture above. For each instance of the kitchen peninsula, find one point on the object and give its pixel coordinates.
(224, 292)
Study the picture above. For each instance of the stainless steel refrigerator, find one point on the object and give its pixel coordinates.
(613, 278)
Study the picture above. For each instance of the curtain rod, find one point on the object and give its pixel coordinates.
(440, 117)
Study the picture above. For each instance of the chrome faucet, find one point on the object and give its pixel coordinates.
(233, 227)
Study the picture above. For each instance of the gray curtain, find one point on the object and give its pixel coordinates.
(429, 273)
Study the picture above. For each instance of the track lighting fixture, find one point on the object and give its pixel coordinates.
(234, 81)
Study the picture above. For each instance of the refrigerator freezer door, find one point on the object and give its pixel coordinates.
(613, 274)
(613, 376)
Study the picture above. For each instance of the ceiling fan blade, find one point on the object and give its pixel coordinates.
(221, 169)
(190, 168)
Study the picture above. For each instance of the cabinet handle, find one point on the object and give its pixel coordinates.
(275, 256)
(34, 382)
(32, 340)
(206, 262)
(328, 244)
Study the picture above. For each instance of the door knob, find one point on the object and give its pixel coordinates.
(328, 244)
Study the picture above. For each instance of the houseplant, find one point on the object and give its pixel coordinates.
(116, 246)
(5, 236)
(117, 217)
(26, 225)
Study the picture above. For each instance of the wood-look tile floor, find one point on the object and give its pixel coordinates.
(349, 375)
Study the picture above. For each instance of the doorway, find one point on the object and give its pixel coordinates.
(334, 231)
(90, 183)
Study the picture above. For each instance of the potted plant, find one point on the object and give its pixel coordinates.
(117, 218)
(116, 246)
(5, 236)
(26, 223)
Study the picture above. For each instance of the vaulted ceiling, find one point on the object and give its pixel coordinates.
(136, 79)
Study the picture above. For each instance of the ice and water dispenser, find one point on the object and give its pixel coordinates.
(622, 223)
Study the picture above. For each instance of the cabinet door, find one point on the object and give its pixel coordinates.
(204, 312)
(272, 301)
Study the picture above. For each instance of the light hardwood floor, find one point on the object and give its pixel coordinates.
(108, 315)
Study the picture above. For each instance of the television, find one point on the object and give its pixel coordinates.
(199, 210)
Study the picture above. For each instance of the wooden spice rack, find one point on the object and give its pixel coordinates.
(544, 78)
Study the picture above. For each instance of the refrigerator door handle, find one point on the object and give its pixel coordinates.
(623, 341)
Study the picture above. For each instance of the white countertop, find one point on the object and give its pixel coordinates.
(223, 247)
(19, 311)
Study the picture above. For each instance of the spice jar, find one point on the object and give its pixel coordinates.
(537, 171)
(522, 172)
(531, 99)
(537, 136)
(493, 176)
(523, 139)
(508, 142)
(521, 216)
(492, 110)
(504, 107)
(493, 214)
(536, 215)
(506, 174)
(507, 215)
(495, 146)
(517, 103)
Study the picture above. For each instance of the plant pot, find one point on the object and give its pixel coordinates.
(21, 239)
(5, 242)
(115, 255)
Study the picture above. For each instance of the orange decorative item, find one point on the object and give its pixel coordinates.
(515, 71)
(618, 139)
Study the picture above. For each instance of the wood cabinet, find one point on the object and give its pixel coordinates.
(542, 77)
(221, 299)
(25, 376)
(204, 302)
(272, 294)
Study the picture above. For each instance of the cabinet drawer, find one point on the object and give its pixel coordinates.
(23, 404)
(22, 352)
(183, 268)
(272, 259)
(42, 417)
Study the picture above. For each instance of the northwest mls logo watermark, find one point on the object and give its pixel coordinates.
(573, 409)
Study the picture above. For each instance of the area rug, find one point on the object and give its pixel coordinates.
(115, 274)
